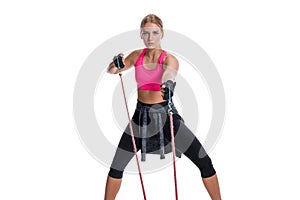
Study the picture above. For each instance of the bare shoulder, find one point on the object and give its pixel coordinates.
(171, 61)
(170, 57)
(132, 57)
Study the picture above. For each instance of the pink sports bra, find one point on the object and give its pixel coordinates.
(149, 79)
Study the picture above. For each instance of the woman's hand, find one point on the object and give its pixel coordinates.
(167, 89)
(118, 61)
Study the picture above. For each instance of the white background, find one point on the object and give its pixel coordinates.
(254, 45)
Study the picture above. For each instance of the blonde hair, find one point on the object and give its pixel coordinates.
(152, 19)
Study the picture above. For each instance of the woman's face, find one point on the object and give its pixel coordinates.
(151, 35)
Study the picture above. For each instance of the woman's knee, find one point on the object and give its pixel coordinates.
(206, 167)
(200, 158)
(114, 173)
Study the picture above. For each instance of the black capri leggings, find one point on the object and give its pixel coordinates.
(185, 141)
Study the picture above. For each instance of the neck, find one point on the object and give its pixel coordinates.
(153, 52)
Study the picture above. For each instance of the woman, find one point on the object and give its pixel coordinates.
(154, 68)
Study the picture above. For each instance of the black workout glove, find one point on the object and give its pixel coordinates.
(118, 61)
(168, 88)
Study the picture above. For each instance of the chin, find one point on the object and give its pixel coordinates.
(152, 47)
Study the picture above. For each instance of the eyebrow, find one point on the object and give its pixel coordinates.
(150, 30)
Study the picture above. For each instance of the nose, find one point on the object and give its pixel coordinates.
(150, 36)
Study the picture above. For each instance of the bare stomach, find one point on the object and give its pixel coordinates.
(150, 97)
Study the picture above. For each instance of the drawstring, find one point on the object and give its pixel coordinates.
(144, 134)
(161, 137)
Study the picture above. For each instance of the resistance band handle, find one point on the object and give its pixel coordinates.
(118, 61)
(168, 87)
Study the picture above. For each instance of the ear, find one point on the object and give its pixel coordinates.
(162, 35)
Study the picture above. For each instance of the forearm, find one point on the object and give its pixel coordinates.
(169, 74)
(112, 69)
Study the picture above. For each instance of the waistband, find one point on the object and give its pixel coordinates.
(164, 103)
(157, 107)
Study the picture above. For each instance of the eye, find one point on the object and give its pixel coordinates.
(144, 33)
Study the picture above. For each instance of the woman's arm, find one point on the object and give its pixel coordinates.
(129, 61)
(171, 66)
